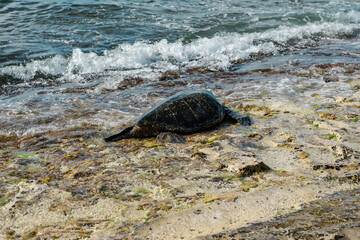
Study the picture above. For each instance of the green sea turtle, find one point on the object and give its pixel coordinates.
(184, 112)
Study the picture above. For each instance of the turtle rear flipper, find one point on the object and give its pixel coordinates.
(134, 132)
(126, 133)
(238, 117)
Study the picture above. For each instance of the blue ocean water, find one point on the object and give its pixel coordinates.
(73, 37)
(48, 47)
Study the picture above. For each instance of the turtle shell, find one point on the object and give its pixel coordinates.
(186, 111)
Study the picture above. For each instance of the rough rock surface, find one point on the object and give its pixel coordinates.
(299, 161)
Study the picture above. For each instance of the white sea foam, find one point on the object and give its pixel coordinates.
(217, 52)
(350, 17)
(52, 66)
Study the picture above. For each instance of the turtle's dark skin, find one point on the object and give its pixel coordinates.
(184, 112)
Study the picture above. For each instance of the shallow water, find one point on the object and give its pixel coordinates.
(67, 64)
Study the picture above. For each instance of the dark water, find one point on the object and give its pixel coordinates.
(64, 63)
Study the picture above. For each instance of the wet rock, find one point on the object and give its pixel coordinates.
(202, 70)
(328, 166)
(326, 115)
(252, 168)
(348, 177)
(199, 155)
(340, 99)
(302, 155)
(24, 161)
(255, 135)
(244, 144)
(169, 76)
(37, 142)
(130, 82)
(8, 141)
(328, 79)
(341, 151)
(170, 137)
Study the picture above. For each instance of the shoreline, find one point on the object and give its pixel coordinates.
(68, 183)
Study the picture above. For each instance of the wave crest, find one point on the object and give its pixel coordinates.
(218, 52)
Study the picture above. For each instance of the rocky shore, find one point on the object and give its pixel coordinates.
(293, 174)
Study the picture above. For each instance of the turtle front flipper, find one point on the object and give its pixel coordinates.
(126, 133)
(238, 117)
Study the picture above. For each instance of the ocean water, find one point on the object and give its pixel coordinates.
(67, 63)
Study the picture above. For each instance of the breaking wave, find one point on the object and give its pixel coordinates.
(218, 52)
